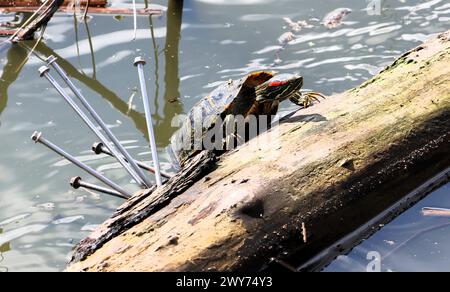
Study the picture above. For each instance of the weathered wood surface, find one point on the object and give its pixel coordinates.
(92, 10)
(37, 3)
(334, 167)
(147, 203)
(95, 7)
(27, 32)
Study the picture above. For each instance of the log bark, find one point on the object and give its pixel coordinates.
(333, 167)
(37, 3)
(95, 7)
(147, 203)
(42, 19)
(92, 10)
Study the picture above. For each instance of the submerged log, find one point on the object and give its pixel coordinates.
(92, 10)
(333, 167)
(95, 7)
(37, 3)
(27, 32)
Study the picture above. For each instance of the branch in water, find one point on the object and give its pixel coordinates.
(92, 10)
(28, 31)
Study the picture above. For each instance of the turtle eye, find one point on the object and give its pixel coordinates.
(277, 83)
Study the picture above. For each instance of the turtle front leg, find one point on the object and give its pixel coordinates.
(306, 99)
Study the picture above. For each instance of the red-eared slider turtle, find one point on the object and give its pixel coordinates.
(256, 94)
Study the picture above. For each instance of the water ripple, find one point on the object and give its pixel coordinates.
(19, 232)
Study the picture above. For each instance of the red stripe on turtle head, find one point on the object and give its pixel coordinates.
(277, 83)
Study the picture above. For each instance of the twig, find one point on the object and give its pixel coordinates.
(91, 47)
(86, 10)
(134, 20)
(40, 20)
(156, 56)
(439, 212)
(41, 36)
(28, 20)
(75, 26)
(92, 10)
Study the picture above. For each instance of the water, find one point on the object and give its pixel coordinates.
(410, 243)
(221, 39)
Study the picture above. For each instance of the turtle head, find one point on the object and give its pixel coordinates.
(279, 88)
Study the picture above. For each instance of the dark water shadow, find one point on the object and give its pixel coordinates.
(15, 60)
(172, 105)
(11, 71)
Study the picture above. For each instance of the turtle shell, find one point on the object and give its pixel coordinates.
(235, 97)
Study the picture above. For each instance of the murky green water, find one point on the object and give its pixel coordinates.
(193, 48)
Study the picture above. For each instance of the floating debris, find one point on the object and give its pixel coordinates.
(285, 38)
(304, 233)
(437, 212)
(336, 17)
(46, 206)
(295, 26)
(67, 220)
(118, 17)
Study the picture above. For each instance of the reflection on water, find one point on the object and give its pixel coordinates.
(3, 248)
(172, 105)
(410, 243)
(11, 70)
(89, 38)
(193, 47)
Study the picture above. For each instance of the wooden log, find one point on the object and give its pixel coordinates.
(92, 10)
(95, 7)
(333, 167)
(12, 3)
(148, 202)
(42, 19)
(37, 3)
(7, 32)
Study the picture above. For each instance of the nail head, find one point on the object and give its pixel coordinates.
(97, 148)
(75, 182)
(36, 136)
(139, 60)
(43, 70)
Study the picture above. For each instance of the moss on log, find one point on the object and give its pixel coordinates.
(334, 167)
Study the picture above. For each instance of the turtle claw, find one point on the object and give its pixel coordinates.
(307, 99)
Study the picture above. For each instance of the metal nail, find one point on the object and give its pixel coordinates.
(99, 148)
(77, 182)
(44, 72)
(37, 137)
(139, 62)
(52, 62)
